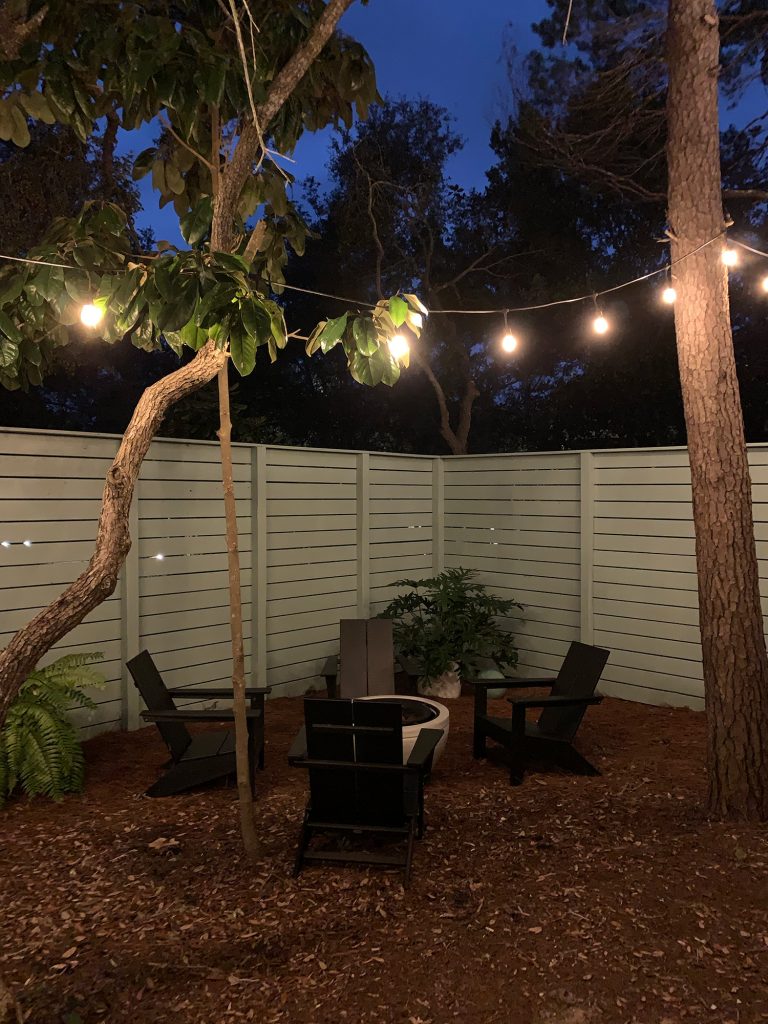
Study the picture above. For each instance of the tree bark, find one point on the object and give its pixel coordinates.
(242, 760)
(733, 642)
(113, 539)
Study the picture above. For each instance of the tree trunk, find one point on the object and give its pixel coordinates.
(113, 539)
(457, 439)
(733, 642)
(242, 760)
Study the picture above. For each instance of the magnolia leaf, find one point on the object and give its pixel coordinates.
(416, 304)
(173, 179)
(36, 105)
(9, 352)
(194, 225)
(365, 336)
(242, 347)
(313, 341)
(256, 320)
(78, 285)
(398, 310)
(13, 289)
(175, 314)
(9, 328)
(20, 132)
(143, 163)
(332, 332)
(368, 369)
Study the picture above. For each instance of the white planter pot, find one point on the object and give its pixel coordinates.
(447, 686)
(493, 673)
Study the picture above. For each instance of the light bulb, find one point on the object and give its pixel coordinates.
(398, 346)
(730, 257)
(600, 325)
(27, 543)
(669, 295)
(159, 557)
(764, 283)
(5, 543)
(91, 315)
(509, 342)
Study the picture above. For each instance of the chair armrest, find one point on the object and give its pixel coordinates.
(552, 702)
(509, 683)
(211, 692)
(298, 751)
(424, 747)
(198, 715)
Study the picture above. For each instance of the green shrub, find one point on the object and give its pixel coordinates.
(40, 751)
(450, 618)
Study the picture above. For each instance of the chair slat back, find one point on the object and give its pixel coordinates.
(350, 732)
(381, 657)
(353, 658)
(578, 677)
(367, 658)
(155, 695)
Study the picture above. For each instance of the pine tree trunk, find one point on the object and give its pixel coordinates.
(733, 642)
(242, 760)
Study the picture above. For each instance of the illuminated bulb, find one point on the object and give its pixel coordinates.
(600, 325)
(5, 543)
(398, 346)
(730, 257)
(27, 543)
(764, 283)
(159, 557)
(509, 343)
(91, 315)
(669, 295)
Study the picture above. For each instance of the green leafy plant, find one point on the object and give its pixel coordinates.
(449, 619)
(40, 750)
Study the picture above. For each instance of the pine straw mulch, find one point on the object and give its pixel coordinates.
(564, 901)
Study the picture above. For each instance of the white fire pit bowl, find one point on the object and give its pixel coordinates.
(440, 720)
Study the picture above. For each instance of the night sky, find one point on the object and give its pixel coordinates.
(445, 51)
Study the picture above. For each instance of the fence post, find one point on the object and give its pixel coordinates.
(438, 515)
(363, 495)
(130, 610)
(259, 565)
(587, 513)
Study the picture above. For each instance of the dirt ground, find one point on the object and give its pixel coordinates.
(564, 901)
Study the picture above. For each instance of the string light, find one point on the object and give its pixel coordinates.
(729, 257)
(669, 295)
(398, 346)
(508, 340)
(600, 324)
(764, 283)
(91, 315)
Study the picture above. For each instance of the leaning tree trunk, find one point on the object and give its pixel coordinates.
(113, 539)
(733, 642)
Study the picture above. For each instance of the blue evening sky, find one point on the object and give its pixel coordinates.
(446, 52)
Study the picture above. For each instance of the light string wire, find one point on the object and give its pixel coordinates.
(594, 296)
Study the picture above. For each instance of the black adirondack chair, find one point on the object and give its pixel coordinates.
(551, 737)
(206, 756)
(353, 751)
(366, 665)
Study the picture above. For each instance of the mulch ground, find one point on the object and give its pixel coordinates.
(563, 901)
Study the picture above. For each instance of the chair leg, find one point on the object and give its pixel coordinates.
(570, 759)
(478, 743)
(409, 854)
(305, 834)
(516, 769)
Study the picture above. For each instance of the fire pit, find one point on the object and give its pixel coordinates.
(419, 713)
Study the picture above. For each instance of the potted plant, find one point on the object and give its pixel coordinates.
(449, 624)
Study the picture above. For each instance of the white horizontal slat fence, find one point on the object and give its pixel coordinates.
(595, 545)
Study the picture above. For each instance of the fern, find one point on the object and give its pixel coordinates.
(40, 752)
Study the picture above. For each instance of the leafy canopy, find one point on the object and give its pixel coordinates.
(180, 63)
